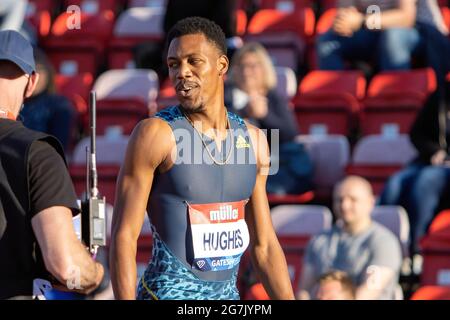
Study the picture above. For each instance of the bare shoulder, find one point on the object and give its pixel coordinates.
(151, 139)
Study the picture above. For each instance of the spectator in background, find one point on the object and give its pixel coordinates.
(251, 93)
(367, 251)
(335, 285)
(435, 44)
(355, 34)
(421, 185)
(46, 111)
(12, 17)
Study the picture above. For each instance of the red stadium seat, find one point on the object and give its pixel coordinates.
(77, 89)
(277, 29)
(167, 95)
(377, 157)
(74, 51)
(107, 175)
(436, 251)
(241, 22)
(328, 101)
(134, 26)
(446, 15)
(325, 21)
(393, 99)
(432, 293)
(41, 20)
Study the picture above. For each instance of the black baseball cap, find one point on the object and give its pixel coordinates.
(16, 48)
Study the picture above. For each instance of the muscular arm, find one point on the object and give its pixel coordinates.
(266, 252)
(145, 152)
(64, 256)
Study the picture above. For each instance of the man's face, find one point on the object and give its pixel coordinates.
(352, 202)
(12, 85)
(196, 69)
(250, 72)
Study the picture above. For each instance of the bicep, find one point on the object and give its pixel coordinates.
(135, 180)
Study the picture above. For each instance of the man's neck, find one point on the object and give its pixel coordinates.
(212, 119)
(357, 228)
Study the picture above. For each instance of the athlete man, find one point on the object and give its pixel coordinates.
(196, 208)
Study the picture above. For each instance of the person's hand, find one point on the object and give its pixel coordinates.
(438, 158)
(348, 21)
(257, 106)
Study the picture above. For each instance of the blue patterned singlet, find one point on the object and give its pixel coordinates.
(172, 273)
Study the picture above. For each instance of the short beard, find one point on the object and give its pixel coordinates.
(193, 109)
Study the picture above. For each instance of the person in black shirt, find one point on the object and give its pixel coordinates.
(422, 185)
(37, 199)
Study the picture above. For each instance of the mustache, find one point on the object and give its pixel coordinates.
(185, 84)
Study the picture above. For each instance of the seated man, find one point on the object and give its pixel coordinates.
(365, 29)
(367, 251)
(335, 285)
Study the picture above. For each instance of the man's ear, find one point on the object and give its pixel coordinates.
(32, 83)
(222, 64)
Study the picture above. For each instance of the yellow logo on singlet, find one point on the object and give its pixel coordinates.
(242, 143)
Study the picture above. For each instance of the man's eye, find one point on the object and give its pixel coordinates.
(173, 65)
(195, 61)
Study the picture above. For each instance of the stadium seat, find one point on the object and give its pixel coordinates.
(436, 251)
(35, 6)
(110, 149)
(396, 220)
(78, 50)
(76, 88)
(325, 21)
(125, 97)
(394, 98)
(432, 293)
(167, 95)
(446, 15)
(241, 22)
(282, 30)
(40, 18)
(377, 157)
(286, 82)
(284, 57)
(328, 102)
(294, 225)
(134, 26)
(300, 220)
(330, 155)
(107, 175)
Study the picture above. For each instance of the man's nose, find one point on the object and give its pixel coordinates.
(184, 71)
